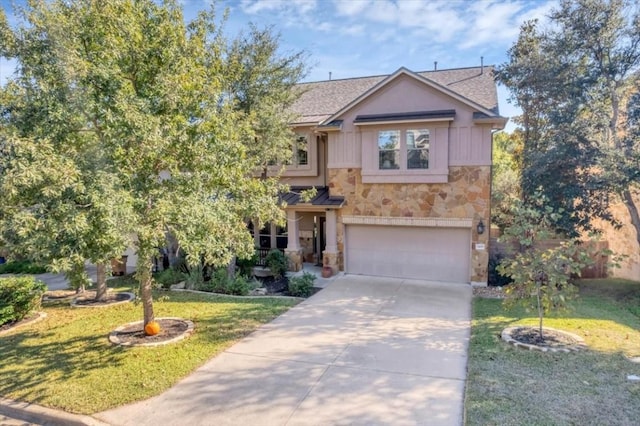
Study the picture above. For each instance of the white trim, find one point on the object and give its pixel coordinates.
(428, 222)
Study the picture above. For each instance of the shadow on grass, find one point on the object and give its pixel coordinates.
(30, 357)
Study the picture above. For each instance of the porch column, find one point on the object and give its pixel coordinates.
(330, 254)
(293, 251)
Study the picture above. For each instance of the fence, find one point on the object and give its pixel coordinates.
(599, 268)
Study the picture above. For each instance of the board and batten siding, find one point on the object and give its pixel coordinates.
(457, 143)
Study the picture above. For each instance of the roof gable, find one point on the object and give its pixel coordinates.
(322, 101)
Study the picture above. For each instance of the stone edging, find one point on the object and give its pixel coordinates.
(106, 305)
(233, 296)
(634, 359)
(113, 336)
(579, 346)
(40, 317)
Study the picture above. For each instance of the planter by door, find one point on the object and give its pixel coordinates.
(119, 266)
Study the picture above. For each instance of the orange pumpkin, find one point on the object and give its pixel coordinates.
(152, 328)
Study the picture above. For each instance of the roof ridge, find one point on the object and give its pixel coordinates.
(387, 75)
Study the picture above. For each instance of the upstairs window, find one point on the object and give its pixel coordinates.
(389, 149)
(300, 151)
(417, 149)
(409, 147)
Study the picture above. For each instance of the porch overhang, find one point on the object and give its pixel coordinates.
(321, 201)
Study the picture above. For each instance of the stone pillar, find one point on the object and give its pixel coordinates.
(330, 253)
(293, 250)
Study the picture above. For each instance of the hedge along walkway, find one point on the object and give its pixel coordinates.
(67, 362)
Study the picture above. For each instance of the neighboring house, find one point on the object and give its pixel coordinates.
(402, 167)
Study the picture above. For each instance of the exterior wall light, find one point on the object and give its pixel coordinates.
(480, 227)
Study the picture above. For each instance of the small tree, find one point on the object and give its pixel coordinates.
(541, 276)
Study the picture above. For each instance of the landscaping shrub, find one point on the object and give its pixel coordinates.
(277, 262)
(245, 266)
(496, 279)
(221, 283)
(21, 267)
(168, 277)
(301, 286)
(19, 296)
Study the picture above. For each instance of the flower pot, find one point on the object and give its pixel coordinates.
(327, 272)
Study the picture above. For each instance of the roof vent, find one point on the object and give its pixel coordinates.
(435, 65)
(481, 64)
(329, 75)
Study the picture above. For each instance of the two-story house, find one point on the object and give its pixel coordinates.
(402, 167)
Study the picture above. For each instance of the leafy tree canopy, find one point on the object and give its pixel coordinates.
(129, 90)
(575, 82)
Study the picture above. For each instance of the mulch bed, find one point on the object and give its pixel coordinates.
(549, 338)
(34, 316)
(552, 340)
(134, 335)
(169, 328)
(88, 299)
(273, 286)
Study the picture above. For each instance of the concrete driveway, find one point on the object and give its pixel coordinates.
(362, 351)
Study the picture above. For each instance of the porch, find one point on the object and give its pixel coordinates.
(310, 234)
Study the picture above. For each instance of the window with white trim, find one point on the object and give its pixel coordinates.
(391, 146)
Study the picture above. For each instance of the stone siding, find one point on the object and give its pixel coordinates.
(465, 195)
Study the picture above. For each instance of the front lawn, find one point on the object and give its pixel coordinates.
(512, 386)
(67, 362)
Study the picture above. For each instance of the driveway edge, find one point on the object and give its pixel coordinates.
(43, 415)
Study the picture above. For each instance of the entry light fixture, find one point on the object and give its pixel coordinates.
(480, 227)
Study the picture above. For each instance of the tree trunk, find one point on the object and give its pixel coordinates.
(144, 277)
(540, 312)
(101, 285)
(231, 268)
(633, 212)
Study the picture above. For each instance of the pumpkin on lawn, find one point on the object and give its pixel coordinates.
(152, 328)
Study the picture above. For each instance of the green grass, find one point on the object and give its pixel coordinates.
(512, 386)
(67, 362)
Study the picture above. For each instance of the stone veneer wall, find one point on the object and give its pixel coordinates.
(623, 241)
(466, 195)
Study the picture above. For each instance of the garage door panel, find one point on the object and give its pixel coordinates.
(440, 254)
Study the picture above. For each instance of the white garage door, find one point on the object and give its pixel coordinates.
(438, 254)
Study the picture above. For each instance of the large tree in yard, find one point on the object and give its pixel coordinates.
(577, 83)
(155, 99)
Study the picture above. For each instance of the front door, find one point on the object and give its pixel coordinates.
(320, 238)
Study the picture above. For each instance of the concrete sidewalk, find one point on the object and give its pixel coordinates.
(362, 351)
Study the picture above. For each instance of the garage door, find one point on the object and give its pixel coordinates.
(438, 254)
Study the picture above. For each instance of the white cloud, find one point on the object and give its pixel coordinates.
(253, 7)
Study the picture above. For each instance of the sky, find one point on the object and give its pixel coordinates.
(355, 38)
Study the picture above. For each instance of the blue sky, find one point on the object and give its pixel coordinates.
(352, 38)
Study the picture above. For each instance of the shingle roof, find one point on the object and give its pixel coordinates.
(320, 100)
(322, 197)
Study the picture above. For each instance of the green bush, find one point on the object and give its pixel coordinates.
(221, 283)
(168, 277)
(19, 296)
(22, 267)
(301, 286)
(245, 266)
(277, 262)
